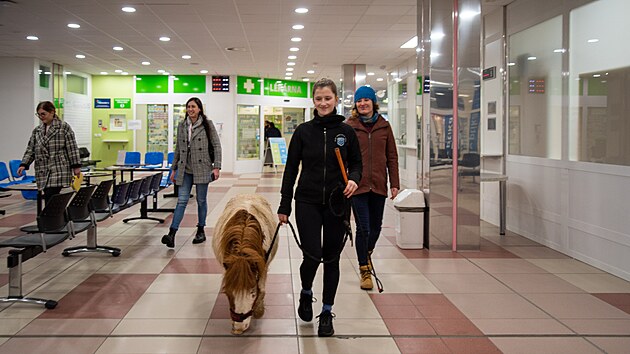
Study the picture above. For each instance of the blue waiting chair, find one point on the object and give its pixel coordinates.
(132, 158)
(14, 165)
(169, 159)
(154, 159)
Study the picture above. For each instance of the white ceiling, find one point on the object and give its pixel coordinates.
(336, 32)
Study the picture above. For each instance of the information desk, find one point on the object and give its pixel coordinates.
(502, 179)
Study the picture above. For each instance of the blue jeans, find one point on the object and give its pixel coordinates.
(368, 216)
(182, 201)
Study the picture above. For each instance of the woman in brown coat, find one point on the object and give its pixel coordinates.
(380, 159)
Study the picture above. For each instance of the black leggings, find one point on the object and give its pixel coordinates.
(311, 219)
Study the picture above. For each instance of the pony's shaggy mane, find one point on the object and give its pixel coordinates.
(243, 253)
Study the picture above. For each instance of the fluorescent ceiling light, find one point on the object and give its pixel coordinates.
(32, 38)
(118, 48)
(165, 38)
(412, 43)
(80, 56)
(301, 10)
(186, 56)
(74, 25)
(128, 9)
(298, 27)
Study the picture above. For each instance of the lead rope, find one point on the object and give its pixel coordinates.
(379, 284)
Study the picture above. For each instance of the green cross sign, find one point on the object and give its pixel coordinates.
(246, 85)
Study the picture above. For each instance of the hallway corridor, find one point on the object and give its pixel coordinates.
(512, 296)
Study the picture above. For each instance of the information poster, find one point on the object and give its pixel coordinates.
(157, 128)
(278, 150)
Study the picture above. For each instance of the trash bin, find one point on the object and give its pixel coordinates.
(410, 205)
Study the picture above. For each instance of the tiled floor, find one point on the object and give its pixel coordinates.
(512, 296)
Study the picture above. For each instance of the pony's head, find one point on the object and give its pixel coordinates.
(244, 263)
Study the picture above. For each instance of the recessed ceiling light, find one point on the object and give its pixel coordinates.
(80, 56)
(47, 72)
(161, 71)
(379, 79)
(103, 72)
(310, 71)
(118, 48)
(67, 72)
(296, 39)
(511, 64)
(124, 73)
(289, 74)
(32, 38)
(532, 58)
(146, 63)
(292, 57)
(290, 69)
(291, 63)
(370, 74)
(166, 73)
(294, 49)
(165, 38)
(129, 9)
(301, 10)
(287, 77)
(186, 56)
(559, 50)
(593, 40)
(74, 25)
(306, 79)
(298, 27)
(118, 71)
(203, 71)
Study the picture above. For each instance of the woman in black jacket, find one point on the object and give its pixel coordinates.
(313, 145)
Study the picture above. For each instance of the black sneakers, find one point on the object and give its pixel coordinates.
(305, 310)
(325, 328)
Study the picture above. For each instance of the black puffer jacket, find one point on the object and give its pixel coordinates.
(313, 144)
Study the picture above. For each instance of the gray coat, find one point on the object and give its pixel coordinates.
(55, 154)
(199, 153)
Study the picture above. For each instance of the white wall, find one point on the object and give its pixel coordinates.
(18, 102)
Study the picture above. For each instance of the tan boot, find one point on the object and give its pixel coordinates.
(366, 278)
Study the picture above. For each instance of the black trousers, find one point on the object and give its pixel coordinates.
(311, 220)
(49, 192)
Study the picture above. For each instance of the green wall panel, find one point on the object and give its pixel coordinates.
(189, 84)
(151, 84)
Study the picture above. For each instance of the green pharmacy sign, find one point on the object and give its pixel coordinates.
(123, 103)
(246, 85)
(286, 88)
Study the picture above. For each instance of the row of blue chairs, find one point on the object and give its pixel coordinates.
(9, 176)
(153, 159)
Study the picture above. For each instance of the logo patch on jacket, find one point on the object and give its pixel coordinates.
(340, 140)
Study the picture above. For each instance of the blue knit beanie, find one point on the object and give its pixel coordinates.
(365, 92)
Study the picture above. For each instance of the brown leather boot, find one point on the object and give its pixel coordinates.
(366, 278)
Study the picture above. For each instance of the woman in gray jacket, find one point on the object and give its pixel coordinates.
(197, 161)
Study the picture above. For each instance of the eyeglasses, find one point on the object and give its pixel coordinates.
(40, 115)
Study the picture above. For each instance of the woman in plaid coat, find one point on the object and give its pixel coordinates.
(197, 161)
(54, 149)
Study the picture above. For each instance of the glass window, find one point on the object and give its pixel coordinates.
(535, 90)
(44, 76)
(248, 132)
(76, 84)
(599, 83)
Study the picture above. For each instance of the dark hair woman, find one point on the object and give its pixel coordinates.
(197, 160)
